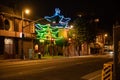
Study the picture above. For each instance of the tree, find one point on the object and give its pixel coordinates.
(84, 30)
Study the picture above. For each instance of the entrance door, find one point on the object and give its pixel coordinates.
(8, 48)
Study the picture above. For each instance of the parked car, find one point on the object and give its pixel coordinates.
(108, 51)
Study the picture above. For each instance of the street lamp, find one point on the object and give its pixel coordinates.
(26, 11)
(71, 26)
(104, 42)
(96, 20)
(105, 35)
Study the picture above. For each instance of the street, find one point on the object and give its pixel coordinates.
(69, 68)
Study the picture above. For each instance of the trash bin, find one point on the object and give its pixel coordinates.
(39, 55)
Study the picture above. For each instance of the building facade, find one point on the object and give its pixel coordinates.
(11, 41)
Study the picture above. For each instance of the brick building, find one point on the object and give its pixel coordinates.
(11, 38)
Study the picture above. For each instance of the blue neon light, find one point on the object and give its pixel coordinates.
(57, 19)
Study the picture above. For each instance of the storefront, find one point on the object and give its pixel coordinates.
(10, 39)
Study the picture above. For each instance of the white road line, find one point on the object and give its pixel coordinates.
(93, 76)
(27, 72)
(97, 77)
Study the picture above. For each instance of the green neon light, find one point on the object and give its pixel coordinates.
(47, 32)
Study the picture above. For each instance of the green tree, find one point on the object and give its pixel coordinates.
(84, 30)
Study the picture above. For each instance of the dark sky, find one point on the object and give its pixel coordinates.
(106, 10)
(68, 7)
(71, 8)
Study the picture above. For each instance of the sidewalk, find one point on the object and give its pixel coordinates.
(49, 57)
(42, 58)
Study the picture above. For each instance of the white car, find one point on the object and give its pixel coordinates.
(109, 51)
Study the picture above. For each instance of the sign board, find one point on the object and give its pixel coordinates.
(116, 40)
(20, 34)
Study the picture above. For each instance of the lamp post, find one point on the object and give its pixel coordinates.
(22, 16)
(105, 36)
(96, 24)
(105, 42)
(52, 43)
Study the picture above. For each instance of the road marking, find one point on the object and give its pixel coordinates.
(97, 77)
(48, 68)
(93, 76)
(26, 72)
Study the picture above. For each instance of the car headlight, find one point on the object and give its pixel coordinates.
(111, 52)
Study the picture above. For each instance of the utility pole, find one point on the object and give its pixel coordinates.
(22, 41)
(22, 52)
(116, 58)
(22, 17)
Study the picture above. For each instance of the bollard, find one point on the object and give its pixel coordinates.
(107, 71)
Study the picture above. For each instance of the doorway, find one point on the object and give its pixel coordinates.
(8, 48)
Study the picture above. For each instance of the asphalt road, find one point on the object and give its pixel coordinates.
(71, 68)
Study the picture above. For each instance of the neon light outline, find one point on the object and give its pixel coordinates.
(63, 22)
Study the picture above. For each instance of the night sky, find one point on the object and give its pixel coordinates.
(106, 10)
